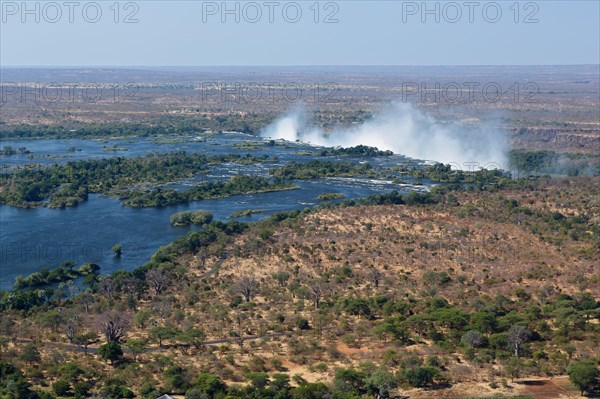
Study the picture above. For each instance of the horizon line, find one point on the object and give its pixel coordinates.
(291, 66)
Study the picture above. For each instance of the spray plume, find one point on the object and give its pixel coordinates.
(404, 130)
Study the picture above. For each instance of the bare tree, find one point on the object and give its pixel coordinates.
(157, 278)
(247, 286)
(113, 325)
(72, 288)
(517, 336)
(86, 299)
(72, 327)
(375, 275)
(317, 290)
(163, 308)
(108, 288)
(202, 258)
(130, 284)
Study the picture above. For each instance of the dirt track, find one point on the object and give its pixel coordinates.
(543, 389)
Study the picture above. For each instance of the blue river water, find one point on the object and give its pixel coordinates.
(34, 238)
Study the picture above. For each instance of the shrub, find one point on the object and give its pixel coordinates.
(61, 387)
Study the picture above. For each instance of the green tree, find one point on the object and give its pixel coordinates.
(258, 380)
(210, 384)
(380, 383)
(136, 346)
(82, 388)
(514, 367)
(310, 391)
(30, 354)
(86, 339)
(584, 374)
(118, 250)
(111, 351)
(192, 336)
(161, 333)
(61, 387)
(421, 376)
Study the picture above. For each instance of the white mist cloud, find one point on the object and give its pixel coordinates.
(404, 130)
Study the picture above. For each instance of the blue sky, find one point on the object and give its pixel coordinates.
(193, 33)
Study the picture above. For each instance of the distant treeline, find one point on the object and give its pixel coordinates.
(552, 163)
(444, 173)
(249, 123)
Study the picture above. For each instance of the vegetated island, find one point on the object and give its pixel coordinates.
(61, 274)
(330, 196)
(62, 185)
(240, 184)
(315, 169)
(186, 218)
(356, 151)
(245, 212)
(9, 150)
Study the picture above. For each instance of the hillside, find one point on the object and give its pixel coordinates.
(454, 294)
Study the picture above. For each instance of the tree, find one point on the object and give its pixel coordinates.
(107, 287)
(118, 250)
(136, 346)
(517, 336)
(210, 385)
(513, 367)
(247, 286)
(157, 278)
(193, 336)
(259, 380)
(86, 339)
(110, 351)
(61, 387)
(86, 299)
(30, 354)
(142, 317)
(162, 333)
(113, 325)
(281, 277)
(358, 307)
(349, 380)
(72, 326)
(421, 376)
(310, 391)
(484, 321)
(584, 374)
(316, 290)
(473, 338)
(82, 388)
(375, 275)
(380, 383)
(280, 382)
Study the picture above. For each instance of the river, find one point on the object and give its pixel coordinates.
(42, 237)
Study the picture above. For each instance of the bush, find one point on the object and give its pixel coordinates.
(82, 388)
(61, 387)
(421, 376)
(116, 392)
(302, 324)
